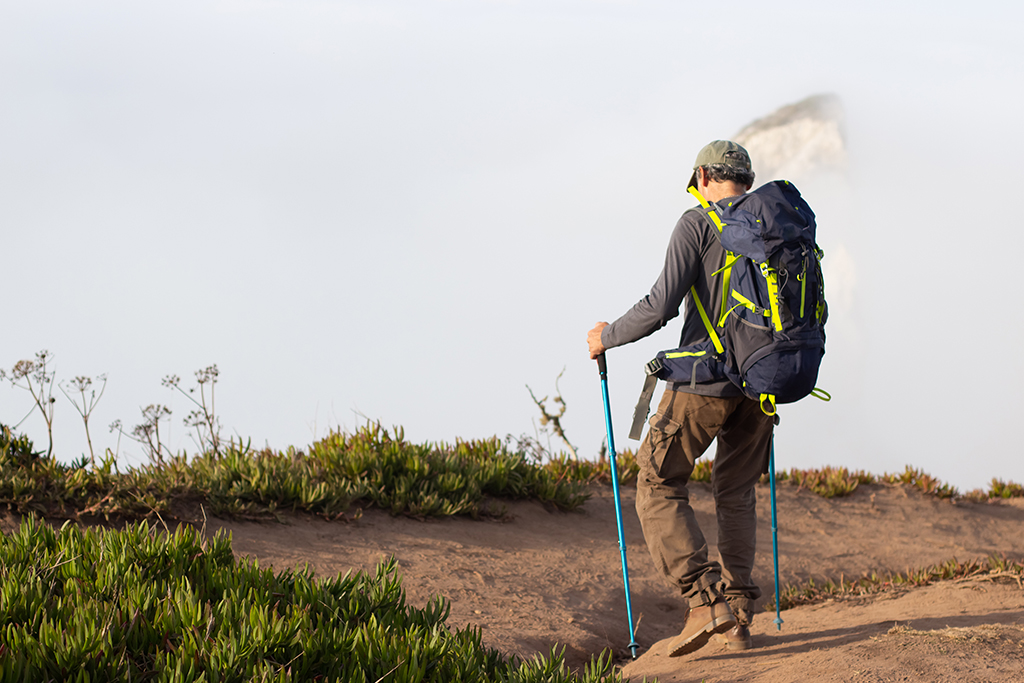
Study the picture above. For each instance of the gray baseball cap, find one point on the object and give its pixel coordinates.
(720, 152)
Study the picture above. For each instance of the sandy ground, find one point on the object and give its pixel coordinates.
(543, 577)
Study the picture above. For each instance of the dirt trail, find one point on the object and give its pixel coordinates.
(944, 632)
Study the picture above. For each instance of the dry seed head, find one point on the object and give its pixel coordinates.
(208, 374)
(81, 383)
(154, 412)
(22, 369)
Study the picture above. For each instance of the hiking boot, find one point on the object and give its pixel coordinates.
(701, 623)
(736, 638)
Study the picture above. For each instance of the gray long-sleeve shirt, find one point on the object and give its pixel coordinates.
(693, 254)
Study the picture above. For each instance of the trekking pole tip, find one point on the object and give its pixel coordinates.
(778, 623)
(633, 647)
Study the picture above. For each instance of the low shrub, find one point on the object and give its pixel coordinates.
(16, 450)
(371, 467)
(835, 482)
(565, 468)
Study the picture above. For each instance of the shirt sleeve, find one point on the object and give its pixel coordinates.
(651, 313)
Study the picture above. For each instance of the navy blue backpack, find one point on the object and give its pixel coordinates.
(768, 333)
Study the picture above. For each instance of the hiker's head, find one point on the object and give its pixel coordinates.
(722, 170)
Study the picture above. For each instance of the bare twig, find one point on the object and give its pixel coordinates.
(551, 421)
(991, 576)
(32, 376)
(81, 385)
(147, 433)
(204, 419)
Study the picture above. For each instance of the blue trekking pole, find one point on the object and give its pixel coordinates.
(775, 533)
(602, 366)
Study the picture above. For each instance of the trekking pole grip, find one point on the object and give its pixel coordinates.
(602, 366)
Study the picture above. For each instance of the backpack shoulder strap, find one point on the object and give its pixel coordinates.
(710, 213)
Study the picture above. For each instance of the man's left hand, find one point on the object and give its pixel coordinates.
(594, 340)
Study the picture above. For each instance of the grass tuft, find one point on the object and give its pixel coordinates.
(1002, 489)
(600, 470)
(993, 568)
(828, 482)
(921, 481)
(836, 482)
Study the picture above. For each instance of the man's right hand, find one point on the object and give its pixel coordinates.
(594, 340)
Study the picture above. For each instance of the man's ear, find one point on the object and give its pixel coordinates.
(705, 178)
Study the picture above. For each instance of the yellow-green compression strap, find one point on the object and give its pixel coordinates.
(773, 294)
(802, 277)
(726, 281)
(730, 260)
(685, 354)
(819, 309)
(707, 322)
(746, 303)
(724, 315)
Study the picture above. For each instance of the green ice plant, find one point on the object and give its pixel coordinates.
(137, 604)
(1002, 489)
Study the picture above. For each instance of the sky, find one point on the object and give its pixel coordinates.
(407, 212)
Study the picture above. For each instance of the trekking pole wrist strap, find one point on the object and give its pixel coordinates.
(643, 405)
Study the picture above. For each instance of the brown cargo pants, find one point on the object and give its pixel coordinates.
(681, 430)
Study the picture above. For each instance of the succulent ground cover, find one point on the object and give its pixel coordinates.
(142, 605)
(342, 472)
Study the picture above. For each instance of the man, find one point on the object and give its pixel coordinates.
(720, 597)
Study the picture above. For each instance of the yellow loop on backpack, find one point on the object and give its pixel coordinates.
(770, 399)
(821, 393)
